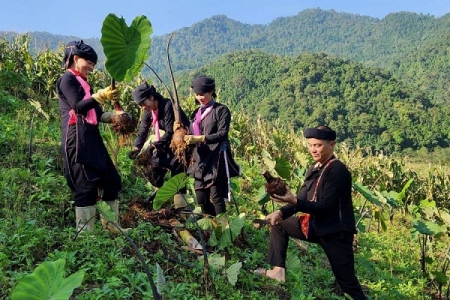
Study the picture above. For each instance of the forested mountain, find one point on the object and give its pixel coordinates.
(412, 46)
(367, 105)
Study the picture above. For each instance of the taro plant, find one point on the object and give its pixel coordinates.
(126, 49)
(48, 282)
(431, 224)
(379, 201)
(106, 211)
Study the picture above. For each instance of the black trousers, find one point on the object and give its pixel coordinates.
(338, 249)
(89, 184)
(213, 198)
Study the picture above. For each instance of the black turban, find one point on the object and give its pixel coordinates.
(203, 84)
(320, 134)
(81, 49)
(142, 92)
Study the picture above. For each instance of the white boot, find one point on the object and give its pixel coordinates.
(180, 200)
(85, 216)
(115, 208)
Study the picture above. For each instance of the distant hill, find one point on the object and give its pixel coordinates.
(366, 105)
(399, 43)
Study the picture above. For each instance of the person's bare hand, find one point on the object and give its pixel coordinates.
(274, 217)
(287, 198)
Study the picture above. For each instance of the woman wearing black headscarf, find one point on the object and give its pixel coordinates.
(212, 162)
(89, 169)
(159, 114)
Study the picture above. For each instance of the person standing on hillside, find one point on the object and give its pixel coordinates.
(88, 166)
(212, 163)
(159, 114)
(326, 195)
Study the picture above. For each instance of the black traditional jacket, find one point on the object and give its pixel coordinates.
(333, 209)
(208, 158)
(88, 147)
(163, 156)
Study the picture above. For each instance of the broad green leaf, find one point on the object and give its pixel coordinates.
(160, 279)
(393, 199)
(293, 263)
(231, 231)
(382, 196)
(126, 48)
(235, 187)
(216, 261)
(47, 282)
(427, 203)
(427, 227)
(236, 225)
(263, 197)
(233, 272)
(366, 193)
(205, 223)
(269, 163)
(401, 195)
(216, 235)
(283, 168)
(445, 216)
(440, 277)
(105, 210)
(169, 189)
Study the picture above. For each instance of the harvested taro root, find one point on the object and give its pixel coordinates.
(274, 185)
(124, 124)
(179, 146)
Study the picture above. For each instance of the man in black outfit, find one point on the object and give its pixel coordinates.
(326, 196)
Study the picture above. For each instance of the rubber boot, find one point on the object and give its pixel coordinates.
(85, 218)
(113, 229)
(179, 200)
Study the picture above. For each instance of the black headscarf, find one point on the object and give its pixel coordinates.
(81, 49)
(142, 92)
(320, 133)
(203, 84)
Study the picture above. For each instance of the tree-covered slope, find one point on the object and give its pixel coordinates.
(383, 43)
(367, 105)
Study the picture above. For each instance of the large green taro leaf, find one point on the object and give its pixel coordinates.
(47, 282)
(126, 48)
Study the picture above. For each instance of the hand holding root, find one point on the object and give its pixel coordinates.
(193, 139)
(286, 198)
(105, 94)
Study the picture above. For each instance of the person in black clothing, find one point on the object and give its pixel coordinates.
(88, 166)
(326, 196)
(212, 162)
(159, 114)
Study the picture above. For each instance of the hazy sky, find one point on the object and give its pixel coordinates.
(85, 18)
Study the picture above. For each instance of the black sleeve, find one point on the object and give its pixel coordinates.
(334, 182)
(223, 119)
(142, 135)
(167, 124)
(72, 91)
